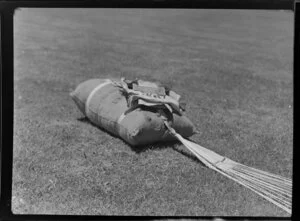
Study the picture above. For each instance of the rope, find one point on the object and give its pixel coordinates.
(274, 188)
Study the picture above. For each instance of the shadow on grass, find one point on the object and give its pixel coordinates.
(141, 148)
(157, 145)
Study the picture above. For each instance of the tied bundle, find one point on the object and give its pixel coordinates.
(130, 113)
(93, 100)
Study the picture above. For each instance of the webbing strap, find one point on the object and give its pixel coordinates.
(121, 118)
(88, 101)
(149, 99)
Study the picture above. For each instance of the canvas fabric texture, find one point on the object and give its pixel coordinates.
(104, 105)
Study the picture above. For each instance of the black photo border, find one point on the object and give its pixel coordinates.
(7, 9)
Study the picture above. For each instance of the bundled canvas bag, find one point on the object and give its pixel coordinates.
(141, 112)
(132, 110)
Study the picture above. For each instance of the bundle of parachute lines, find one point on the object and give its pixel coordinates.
(142, 112)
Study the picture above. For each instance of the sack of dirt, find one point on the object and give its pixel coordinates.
(132, 110)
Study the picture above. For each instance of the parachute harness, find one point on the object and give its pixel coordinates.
(143, 93)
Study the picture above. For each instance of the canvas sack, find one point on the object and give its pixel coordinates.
(102, 102)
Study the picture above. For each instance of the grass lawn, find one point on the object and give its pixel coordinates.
(233, 67)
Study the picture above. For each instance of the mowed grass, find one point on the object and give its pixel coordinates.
(233, 67)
